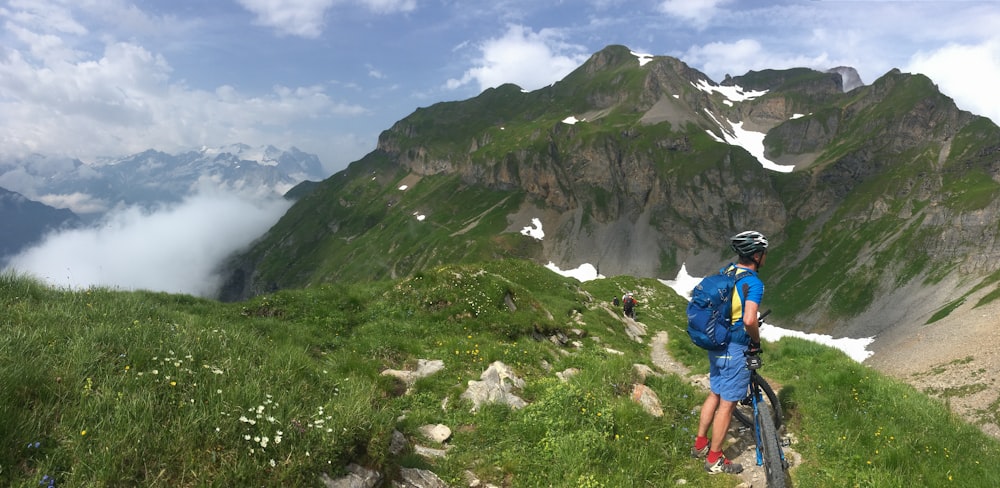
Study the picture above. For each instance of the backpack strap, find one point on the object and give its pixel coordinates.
(734, 272)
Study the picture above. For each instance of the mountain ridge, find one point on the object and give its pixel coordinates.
(639, 168)
(152, 177)
(26, 222)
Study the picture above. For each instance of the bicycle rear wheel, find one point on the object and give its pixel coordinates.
(744, 409)
(770, 446)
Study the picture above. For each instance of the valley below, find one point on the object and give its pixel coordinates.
(955, 359)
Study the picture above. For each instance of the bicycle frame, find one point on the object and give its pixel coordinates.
(766, 422)
(757, 397)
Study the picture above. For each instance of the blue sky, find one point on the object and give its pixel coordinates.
(92, 78)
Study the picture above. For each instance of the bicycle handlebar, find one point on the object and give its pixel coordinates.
(765, 314)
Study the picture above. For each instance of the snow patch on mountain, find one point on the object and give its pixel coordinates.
(733, 93)
(643, 58)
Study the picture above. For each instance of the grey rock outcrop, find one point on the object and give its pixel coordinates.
(357, 477)
(850, 76)
(418, 478)
(425, 367)
(647, 399)
(438, 433)
(496, 385)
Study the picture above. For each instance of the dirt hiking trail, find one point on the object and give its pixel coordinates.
(740, 447)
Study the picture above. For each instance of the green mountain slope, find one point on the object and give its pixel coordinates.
(111, 388)
(894, 191)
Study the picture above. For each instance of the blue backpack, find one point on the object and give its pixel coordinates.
(710, 311)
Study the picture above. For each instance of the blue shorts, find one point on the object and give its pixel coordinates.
(728, 374)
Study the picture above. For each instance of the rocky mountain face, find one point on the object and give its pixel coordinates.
(880, 200)
(850, 77)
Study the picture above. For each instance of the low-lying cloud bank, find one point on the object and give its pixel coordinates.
(174, 248)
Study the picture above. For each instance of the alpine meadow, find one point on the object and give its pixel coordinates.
(350, 343)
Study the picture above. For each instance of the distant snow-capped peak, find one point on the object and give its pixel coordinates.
(151, 177)
(262, 155)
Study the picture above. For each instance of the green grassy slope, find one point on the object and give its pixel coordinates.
(363, 226)
(883, 167)
(112, 388)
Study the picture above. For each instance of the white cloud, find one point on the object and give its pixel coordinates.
(716, 59)
(49, 15)
(78, 203)
(390, 6)
(697, 12)
(59, 100)
(374, 73)
(528, 59)
(304, 18)
(307, 18)
(963, 72)
(174, 249)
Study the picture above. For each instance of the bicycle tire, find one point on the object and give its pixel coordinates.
(745, 415)
(770, 444)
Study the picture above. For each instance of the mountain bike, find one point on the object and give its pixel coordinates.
(761, 411)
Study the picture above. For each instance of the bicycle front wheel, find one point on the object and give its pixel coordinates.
(744, 409)
(774, 465)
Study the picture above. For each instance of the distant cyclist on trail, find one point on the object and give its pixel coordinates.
(728, 374)
(628, 304)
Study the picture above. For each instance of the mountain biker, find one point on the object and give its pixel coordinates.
(628, 304)
(728, 375)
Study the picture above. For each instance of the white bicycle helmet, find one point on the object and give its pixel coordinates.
(748, 243)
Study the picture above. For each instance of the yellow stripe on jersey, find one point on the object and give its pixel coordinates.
(737, 300)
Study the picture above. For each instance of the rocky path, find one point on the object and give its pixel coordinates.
(662, 359)
(739, 443)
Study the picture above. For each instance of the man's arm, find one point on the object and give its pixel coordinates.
(750, 321)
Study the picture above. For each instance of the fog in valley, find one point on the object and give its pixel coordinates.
(174, 248)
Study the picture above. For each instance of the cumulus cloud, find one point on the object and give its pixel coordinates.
(961, 71)
(121, 98)
(124, 100)
(389, 6)
(374, 72)
(306, 18)
(175, 249)
(956, 46)
(696, 12)
(717, 59)
(523, 57)
(303, 18)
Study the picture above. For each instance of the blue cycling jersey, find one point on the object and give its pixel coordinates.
(749, 288)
